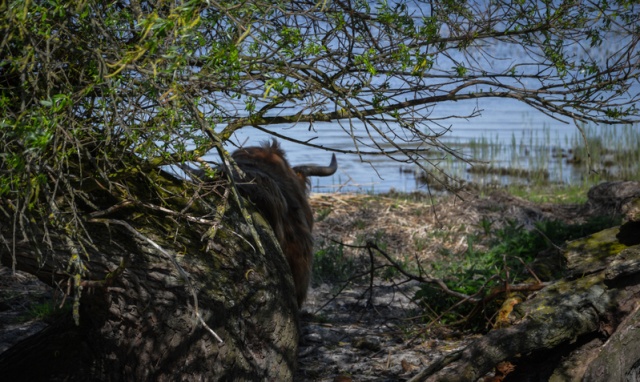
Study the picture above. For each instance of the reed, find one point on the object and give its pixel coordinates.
(539, 159)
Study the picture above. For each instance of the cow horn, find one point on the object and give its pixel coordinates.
(313, 170)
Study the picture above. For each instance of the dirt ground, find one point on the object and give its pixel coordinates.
(352, 332)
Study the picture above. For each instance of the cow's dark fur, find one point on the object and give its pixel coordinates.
(280, 193)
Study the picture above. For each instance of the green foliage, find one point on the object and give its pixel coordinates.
(41, 311)
(163, 80)
(440, 306)
(390, 273)
(92, 92)
(330, 264)
(503, 258)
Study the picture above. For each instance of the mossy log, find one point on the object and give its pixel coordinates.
(163, 276)
(582, 327)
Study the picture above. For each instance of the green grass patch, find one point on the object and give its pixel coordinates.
(558, 194)
(330, 264)
(43, 310)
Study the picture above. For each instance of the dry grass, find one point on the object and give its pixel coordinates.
(423, 229)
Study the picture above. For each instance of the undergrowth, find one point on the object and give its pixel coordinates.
(331, 264)
(495, 258)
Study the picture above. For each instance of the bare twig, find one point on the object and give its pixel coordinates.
(424, 279)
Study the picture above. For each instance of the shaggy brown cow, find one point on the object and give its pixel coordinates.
(279, 191)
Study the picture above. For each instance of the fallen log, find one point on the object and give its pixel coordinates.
(597, 298)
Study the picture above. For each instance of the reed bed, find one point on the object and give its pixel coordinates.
(539, 158)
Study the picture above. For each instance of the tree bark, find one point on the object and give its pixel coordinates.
(619, 358)
(138, 318)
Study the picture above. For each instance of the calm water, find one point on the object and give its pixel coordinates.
(508, 134)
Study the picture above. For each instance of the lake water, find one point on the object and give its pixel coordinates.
(507, 134)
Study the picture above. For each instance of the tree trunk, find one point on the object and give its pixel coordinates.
(618, 360)
(138, 318)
